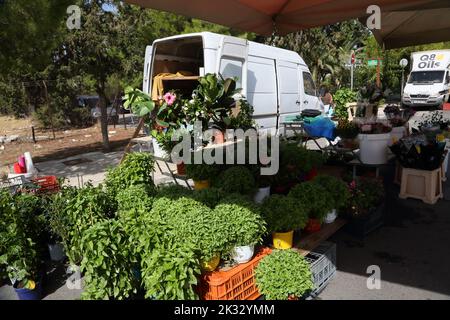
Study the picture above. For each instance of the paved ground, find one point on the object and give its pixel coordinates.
(412, 249)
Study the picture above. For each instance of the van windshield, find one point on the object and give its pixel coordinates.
(426, 77)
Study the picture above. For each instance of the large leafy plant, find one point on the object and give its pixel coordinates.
(237, 179)
(284, 214)
(135, 197)
(341, 98)
(283, 274)
(136, 169)
(317, 201)
(216, 97)
(108, 262)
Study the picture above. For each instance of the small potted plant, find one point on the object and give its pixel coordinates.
(201, 174)
(263, 183)
(317, 201)
(244, 226)
(348, 132)
(283, 215)
(284, 275)
(339, 192)
(236, 179)
(366, 206)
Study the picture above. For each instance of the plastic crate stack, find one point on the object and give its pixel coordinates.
(323, 266)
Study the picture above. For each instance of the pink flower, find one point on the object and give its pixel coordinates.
(169, 98)
(353, 184)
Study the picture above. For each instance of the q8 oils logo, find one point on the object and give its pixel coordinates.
(430, 61)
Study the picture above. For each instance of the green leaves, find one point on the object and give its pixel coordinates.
(336, 188)
(283, 273)
(284, 214)
(237, 179)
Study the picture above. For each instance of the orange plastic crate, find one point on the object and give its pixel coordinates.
(237, 283)
(47, 184)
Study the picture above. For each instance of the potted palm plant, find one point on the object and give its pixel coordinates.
(283, 215)
(284, 275)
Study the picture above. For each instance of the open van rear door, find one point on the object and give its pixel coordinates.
(232, 60)
(146, 83)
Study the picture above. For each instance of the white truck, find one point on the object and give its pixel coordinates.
(428, 83)
(275, 81)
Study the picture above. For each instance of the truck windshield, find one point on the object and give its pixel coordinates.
(426, 77)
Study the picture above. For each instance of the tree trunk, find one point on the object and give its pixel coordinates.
(103, 118)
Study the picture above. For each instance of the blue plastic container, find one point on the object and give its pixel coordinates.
(27, 294)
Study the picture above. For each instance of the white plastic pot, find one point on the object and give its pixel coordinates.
(397, 133)
(242, 254)
(373, 148)
(330, 217)
(56, 252)
(262, 194)
(158, 151)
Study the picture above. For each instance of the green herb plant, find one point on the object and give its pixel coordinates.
(284, 214)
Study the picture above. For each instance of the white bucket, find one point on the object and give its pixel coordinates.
(262, 194)
(397, 133)
(243, 254)
(330, 217)
(374, 147)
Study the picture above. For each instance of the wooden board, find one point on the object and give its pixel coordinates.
(308, 242)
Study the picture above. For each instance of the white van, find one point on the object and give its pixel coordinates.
(428, 84)
(275, 81)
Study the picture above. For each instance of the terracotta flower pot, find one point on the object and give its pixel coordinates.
(313, 225)
(292, 297)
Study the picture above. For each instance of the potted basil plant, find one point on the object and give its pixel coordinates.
(283, 215)
(339, 192)
(284, 275)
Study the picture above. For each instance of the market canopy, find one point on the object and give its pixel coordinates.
(404, 22)
(427, 24)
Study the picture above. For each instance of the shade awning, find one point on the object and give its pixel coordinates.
(264, 17)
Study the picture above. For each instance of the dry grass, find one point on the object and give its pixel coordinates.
(11, 125)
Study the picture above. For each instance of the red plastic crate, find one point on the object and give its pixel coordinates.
(47, 184)
(237, 283)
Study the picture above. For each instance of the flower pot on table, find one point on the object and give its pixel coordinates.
(210, 265)
(367, 223)
(201, 184)
(374, 148)
(283, 240)
(313, 225)
(330, 217)
(181, 169)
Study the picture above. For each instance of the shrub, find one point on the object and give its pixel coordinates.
(135, 197)
(236, 179)
(283, 213)
(80, 209)
(244, 224)
(315, 198)
(107, 262)
(209, 197)
(341, 98)
(170, 271)
(172, 191)
(283, 274)
(188, 220)
(199, 172)
(336, 188)
(136, 169)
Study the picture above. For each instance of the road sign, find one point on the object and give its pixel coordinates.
(373, 63)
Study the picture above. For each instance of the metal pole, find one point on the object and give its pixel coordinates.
(351, 76)
(401, 89)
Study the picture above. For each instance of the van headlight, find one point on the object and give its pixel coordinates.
(406, 95)
(441, 93)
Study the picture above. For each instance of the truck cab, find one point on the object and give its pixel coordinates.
(428, 84)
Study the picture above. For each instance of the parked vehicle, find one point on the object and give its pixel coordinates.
(428, 84)
(277, 82)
